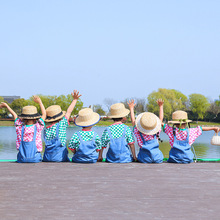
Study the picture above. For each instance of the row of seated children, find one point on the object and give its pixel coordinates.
(29, 126)
(86, 145)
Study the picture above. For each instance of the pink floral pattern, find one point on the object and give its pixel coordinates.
(29, 133)
(181, 134)
(145, 136)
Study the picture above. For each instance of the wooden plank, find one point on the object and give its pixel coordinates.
(109, 191)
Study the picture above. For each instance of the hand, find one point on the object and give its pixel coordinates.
(131, 103)
(73, 150)
(76, 94)
(100, 159)
(3, 105)
(216, 129)
(135, 159)
(37, 99)
(160, 102)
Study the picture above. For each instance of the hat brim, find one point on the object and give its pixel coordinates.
(35, 116)
(178, 122)
(94, 120)
(57, 118)
(144, 131)
(123, 114)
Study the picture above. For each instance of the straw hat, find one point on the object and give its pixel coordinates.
(118, 110)
(86, 118)
(179, 117)
(54, 112)
(148, 123)
(29, 112)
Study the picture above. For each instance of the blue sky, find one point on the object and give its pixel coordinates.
(109, 49)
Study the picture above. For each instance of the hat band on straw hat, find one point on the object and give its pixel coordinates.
(181, 121)
(54, 116)
(30, 115)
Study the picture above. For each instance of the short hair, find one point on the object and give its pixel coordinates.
(117, 119)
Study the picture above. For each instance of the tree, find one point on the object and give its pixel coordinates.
(199, 104)
(140, 104)
(173, 100)
(18, 104)
(62, 100)
(98, 109)
(77, 107)
(3, 111)
(212, 112)
(217, 102)
(108, 102)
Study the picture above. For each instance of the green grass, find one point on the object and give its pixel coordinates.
(203, 123)
(6, 123)
(109, 122)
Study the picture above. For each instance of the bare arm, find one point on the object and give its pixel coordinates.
(160, 103)
(43, 111)
(133, 151)
(131, 105)
(75, 96)
(5, 105)
(73, 150)
(100, 156)
(216, 129)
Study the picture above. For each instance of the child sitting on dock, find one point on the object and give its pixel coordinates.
(29, 126)
(55, 134)
(85, 144)
(119, 136)
(181, 136)
(147, 127)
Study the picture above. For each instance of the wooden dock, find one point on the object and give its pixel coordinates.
(109, 191)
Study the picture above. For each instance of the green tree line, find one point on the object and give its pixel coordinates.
(198, 106)
(62, 100)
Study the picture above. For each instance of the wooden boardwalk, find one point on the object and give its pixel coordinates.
(109, 191)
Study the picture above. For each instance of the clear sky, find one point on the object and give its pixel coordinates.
(109, 48)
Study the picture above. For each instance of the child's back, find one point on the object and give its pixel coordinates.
(55, 140)
(147, 127)
(85, 144)
(181, 137)
(55, 134)
(119, 137)
(29, 126)
(180, 141)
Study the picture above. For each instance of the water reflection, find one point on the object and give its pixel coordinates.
(202, 145)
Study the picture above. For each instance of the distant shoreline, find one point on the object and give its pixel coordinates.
(107, 123)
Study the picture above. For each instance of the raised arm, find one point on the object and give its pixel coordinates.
(5, 105)
(131, 105)
(160, 103)
(37, 99)
(75, 96)
(216, 129)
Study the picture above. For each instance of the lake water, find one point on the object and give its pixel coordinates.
(202, 144)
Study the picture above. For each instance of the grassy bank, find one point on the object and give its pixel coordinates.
(107, 123)
(194, 124)
(6, 123)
